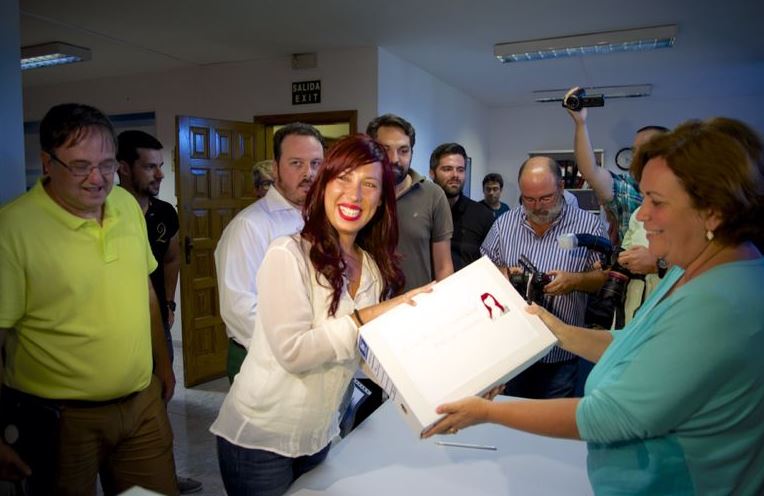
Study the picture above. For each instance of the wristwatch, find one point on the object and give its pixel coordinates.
(662, 267)
(171, 305)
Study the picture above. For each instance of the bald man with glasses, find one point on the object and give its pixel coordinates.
(532, 230)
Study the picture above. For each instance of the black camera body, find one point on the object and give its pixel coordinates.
(530, 283)
(609, 302)
(611, 262)
(578, 100)
(607, 306)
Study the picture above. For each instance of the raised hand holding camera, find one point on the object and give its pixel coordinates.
(576, 99)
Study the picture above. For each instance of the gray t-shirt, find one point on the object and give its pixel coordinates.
(424, 217)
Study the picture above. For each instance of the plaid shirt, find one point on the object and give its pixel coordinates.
(626, 199)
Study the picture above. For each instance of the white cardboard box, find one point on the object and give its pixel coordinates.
(468, 335)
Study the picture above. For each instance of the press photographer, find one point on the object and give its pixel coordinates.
(531, 230)
(618, 193)
(626, 270)
(606, 309)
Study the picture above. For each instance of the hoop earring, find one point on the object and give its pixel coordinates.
(709, 235)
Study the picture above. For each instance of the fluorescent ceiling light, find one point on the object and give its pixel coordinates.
(625, 91)
(56, 53)
(587, 44)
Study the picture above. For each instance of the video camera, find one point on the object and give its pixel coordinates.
(530, 283)
(578, 100)
(609, 301)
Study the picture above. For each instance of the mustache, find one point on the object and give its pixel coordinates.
(546, 215)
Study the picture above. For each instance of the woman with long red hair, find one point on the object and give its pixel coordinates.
(316, 288)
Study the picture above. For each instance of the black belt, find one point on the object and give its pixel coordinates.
(96, 404)
(68, 403)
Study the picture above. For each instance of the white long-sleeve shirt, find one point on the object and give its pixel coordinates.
(286, 397)
(240, 253)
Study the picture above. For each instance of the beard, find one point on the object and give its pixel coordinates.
(544, 217)
(147, 189)
(302, 190)
(400, 173)
(451, 191)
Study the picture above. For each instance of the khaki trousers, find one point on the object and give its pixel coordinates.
(129, 443)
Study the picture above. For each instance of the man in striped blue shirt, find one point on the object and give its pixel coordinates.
(532, 230)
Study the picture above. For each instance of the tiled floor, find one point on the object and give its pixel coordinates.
(191, 412)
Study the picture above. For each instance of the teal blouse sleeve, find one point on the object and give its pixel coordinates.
(662, 369)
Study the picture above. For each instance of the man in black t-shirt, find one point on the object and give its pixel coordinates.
(472, 221)
(140, 172)
(162, 226)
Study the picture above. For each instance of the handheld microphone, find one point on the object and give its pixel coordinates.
(596, 243)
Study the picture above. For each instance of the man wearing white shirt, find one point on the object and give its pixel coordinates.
(298, 150)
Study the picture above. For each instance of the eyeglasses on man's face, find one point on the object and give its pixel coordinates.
(84, 169)
(545, 200)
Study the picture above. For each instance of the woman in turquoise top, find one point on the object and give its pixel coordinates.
(675, 403)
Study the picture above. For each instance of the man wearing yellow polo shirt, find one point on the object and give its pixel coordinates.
(80, 325)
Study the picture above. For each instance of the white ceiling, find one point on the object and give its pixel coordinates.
(719, 48)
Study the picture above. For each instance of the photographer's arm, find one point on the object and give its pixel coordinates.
(639, 260)
(586, 343)
(565, 282)
(598, 177)
(636, 256)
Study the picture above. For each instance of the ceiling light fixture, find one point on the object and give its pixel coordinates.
(55, 53)
(626, 40)
(625, 91)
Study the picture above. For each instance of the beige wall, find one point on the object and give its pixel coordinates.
(224, 91)
(439, 112)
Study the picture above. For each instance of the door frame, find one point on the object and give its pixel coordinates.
(263, 122)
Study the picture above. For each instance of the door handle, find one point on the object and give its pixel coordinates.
(188, 245)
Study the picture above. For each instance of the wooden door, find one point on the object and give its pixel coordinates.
(214, 178)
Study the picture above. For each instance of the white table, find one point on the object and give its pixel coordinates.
(384, 457)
